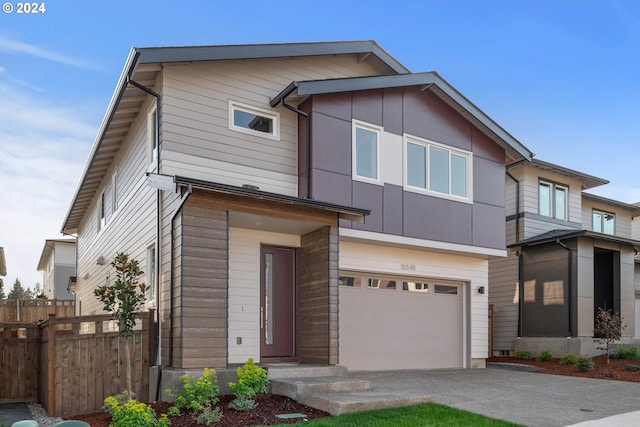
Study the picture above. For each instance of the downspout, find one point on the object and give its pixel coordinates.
(158, 247)
(570, 267)
(520, 262)
(306, 115)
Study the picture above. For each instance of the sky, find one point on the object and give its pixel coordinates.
(563, 77)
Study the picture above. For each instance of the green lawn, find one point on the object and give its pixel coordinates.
(428, 415)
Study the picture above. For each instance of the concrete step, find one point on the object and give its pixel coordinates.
(337, 403)
(279, 371)
(342, 395)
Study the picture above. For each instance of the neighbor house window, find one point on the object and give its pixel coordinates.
(151, 273)
(437, 169)
(254, 121)
(553, 200)
(152, 131)
(604, 222)
(366, 151)
(101, 212)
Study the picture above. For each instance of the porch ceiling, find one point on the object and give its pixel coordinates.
(271, 223)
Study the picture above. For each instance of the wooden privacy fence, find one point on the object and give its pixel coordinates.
(71, 364)
(34, 310)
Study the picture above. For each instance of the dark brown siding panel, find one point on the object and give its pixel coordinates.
(488, 226)
(427, 116)
(333, 150)
(392, 209)
(392, 110)
(368, 196)
(332, 187)
(545, 291)
(203, 297)
(367, 106)
(488, 182)
(437, 219)
(317, 297)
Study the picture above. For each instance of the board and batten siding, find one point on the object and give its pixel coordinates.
(244, 288)
(196, 139)
(472, 271)
(130, 229)
(503, 281)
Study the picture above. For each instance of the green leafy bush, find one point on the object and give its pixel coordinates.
(626, 352)
(196, 394)
(544, 356)
(569, 359)
(252, 380)
(133, 414)
(523, 354)
(632, 368)
(209, 416)
(585, 364)
(242, 403)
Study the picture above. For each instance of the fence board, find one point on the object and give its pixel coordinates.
(34, 310)
(71, 364)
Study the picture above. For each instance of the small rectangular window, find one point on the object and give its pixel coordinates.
(101, 212)
(415, 286)
(152, 131)
(365, 152)
(604, 222)
(254, 121)
(114, 191)
(445, 289)
(355, 282)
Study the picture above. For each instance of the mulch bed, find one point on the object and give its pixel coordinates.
(268, 406)
(616, 370)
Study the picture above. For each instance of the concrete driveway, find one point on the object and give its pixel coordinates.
(522, 397)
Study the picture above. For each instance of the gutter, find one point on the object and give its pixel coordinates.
(280, 100)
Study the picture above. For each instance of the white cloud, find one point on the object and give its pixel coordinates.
(11, 79)
(15, 46)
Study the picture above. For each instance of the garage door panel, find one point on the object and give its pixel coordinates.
(384, 329)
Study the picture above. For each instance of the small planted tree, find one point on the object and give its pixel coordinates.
(608, 330)
(123, 299)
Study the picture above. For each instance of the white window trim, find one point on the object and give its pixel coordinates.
(552, 187)
(152, 129)
(452, 150)
(102, 220)
(603, 213)
(270, 114)
(355, 124)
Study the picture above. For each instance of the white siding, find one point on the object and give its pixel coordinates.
(470, 270)
(244, 289)
(197, 142)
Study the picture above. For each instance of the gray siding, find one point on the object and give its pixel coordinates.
(503, 294)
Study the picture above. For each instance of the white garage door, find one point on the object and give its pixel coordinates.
(407, 323)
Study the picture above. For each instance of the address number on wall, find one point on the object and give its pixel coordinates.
(409, 267)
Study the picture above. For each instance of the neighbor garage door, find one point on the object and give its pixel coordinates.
(400, 323)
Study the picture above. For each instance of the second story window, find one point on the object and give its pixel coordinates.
(254, 121)
(553, 200)
(437, 169)
(365, 152)
(101, 212)
(604, 222)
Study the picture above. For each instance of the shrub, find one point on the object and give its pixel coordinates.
(585, 364)
(196, 394)
(523, 354)
(133, 414)
(242, 403)
(209, 416)
(569, 359)
(626, 352)
(608, 330)
(252, 380)
(632, 368)
(544, 356)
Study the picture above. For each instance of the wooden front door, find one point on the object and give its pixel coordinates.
(277, 304)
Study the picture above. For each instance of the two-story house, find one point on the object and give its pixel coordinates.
(58, 266)
(307, 202)
(570, 253)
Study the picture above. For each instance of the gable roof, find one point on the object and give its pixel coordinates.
(427, 81)
(143, 66)
(49, 246)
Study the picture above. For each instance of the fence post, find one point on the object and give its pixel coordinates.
(17, 309)
(51, 365)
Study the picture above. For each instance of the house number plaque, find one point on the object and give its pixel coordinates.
(409, 267)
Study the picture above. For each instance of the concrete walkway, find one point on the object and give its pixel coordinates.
(12, 412)
(535, 400)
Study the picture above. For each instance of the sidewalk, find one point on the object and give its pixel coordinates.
(630, 419)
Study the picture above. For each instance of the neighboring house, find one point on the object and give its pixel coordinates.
(306, 202)
(3, 266)
(570, 253)
(58, 266)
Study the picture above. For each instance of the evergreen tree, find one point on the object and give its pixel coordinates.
(18, 292)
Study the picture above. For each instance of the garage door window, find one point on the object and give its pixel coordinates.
(445, 289)
(415, 286)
